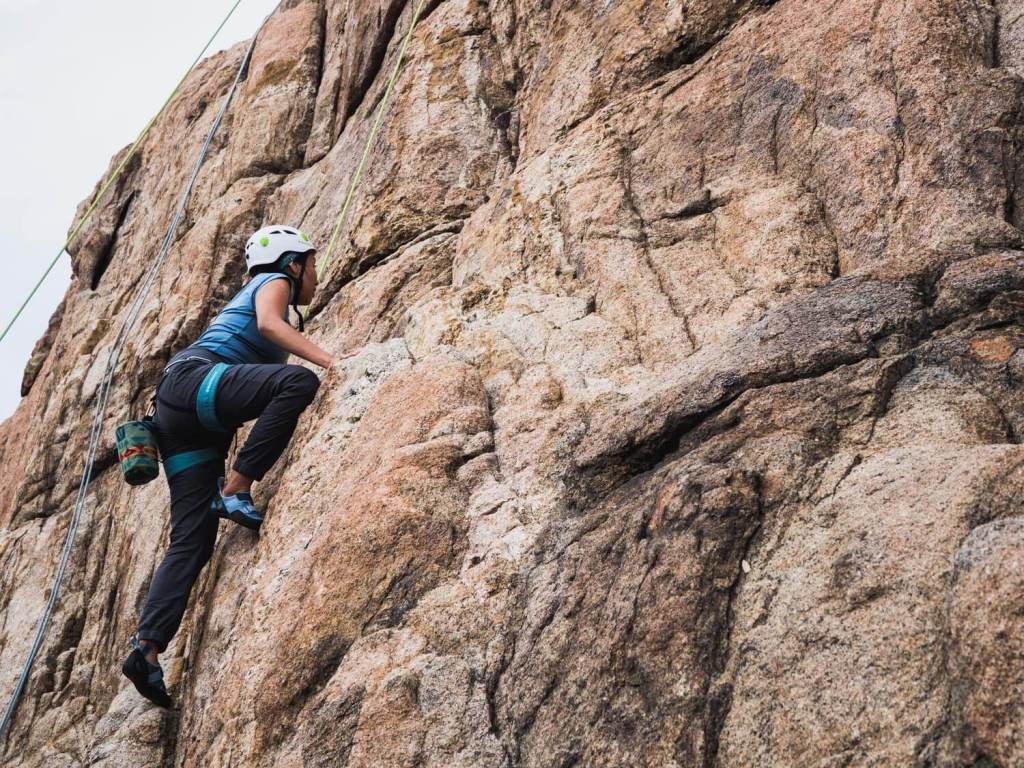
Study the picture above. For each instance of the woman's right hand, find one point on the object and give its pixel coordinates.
(337, 362)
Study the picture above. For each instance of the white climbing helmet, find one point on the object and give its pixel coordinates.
(268, 244)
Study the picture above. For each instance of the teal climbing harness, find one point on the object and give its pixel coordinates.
(206, 399)
(179, 462)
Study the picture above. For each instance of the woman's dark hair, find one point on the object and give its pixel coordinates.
(296, 282)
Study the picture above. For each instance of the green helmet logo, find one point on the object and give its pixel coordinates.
(264, 241)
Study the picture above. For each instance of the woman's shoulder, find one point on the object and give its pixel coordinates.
(268, 277)
(263, 278)
(258, 281)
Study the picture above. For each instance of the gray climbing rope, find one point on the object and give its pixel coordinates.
(103, 393)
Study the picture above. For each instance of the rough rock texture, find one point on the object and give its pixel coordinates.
(684, 430)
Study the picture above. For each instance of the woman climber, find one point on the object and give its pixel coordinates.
(235, 371)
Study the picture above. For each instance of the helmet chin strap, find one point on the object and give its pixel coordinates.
(297, 281)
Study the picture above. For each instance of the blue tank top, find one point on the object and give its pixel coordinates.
(234, 335)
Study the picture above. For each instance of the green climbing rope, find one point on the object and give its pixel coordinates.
(358, 175)
(116, 173)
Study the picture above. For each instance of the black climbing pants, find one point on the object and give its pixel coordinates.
(274, 395)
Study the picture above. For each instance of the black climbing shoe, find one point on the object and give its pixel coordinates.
(147, 678)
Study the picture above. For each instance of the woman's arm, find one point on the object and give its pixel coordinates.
(271, 301)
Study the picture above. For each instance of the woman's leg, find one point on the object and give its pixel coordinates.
(193, 529)
(275, 395)
(193, 535)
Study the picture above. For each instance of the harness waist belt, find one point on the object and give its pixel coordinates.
(182, 461)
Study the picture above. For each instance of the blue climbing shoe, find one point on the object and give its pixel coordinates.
(147, 678)
(238, 508)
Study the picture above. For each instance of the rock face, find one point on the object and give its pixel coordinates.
(684, 426)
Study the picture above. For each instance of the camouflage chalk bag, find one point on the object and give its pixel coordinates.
(137, 451)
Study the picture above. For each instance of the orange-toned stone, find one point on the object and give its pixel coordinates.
(995, 350)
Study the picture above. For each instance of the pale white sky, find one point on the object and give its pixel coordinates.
(78, 81)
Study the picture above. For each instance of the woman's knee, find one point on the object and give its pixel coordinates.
(302, 381)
